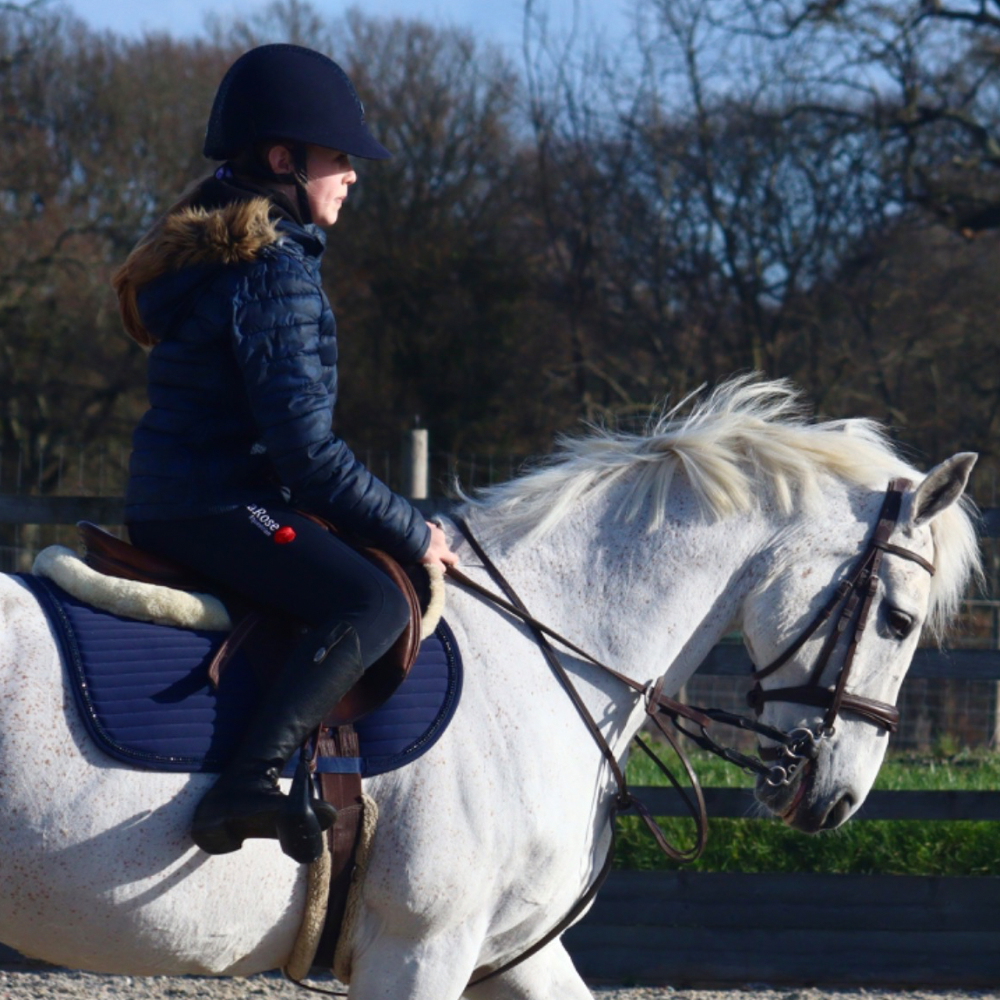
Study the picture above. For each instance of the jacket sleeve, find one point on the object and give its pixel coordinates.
(278, 317)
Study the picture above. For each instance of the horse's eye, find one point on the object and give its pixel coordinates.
(899, 622)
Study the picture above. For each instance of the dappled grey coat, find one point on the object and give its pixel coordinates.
(225, 292)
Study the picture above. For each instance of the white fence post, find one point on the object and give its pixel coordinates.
(416, 464)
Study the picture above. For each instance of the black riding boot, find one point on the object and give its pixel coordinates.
(246, 800)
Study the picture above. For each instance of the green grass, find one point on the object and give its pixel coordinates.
(903, 847)
(968, 771)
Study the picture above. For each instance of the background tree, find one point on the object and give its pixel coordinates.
(92, 140)
(923, 76)
(912, 90)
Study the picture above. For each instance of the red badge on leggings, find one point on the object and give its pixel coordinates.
(263, 521)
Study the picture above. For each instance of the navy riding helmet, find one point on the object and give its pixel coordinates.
(288, 92)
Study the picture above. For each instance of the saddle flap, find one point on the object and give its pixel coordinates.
(383, 677)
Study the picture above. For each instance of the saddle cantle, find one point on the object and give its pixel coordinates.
(112, 556)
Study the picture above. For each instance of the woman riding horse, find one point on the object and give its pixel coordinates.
(225, 293)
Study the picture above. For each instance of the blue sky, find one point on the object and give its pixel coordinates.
(498, 20)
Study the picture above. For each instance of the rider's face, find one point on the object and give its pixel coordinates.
(330, 175)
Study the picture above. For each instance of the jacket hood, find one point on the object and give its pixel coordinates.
(216, 225)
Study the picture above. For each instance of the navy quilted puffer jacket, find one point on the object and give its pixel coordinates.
(243, 375)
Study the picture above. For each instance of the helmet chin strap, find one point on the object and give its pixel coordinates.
(301, 178)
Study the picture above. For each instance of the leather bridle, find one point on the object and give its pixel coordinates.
(855, 597)
(778, 763)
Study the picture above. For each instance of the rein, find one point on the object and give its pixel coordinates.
(794, 747)
(624, 799)
(776, 764)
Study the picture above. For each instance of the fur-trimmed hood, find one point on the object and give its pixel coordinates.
(188, 236)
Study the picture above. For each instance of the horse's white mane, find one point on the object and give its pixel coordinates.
(748, 441)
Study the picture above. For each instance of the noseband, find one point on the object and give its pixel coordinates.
(855, 597)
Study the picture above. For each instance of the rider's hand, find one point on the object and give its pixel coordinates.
(438, 553)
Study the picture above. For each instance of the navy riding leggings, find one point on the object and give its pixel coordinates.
(305, 572)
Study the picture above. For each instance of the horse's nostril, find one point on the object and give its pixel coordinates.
(839, 813)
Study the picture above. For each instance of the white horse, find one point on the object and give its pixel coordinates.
(644, 550)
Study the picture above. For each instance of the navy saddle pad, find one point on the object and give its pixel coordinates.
(144, 694)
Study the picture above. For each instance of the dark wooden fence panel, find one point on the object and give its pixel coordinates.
(731, 660)
(739, 803)
(708, 930)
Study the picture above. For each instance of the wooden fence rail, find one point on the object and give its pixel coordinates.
(18, 509)
(739, 803)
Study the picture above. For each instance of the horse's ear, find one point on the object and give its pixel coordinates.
(942, 486)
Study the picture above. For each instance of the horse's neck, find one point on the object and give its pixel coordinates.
(645, 603)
